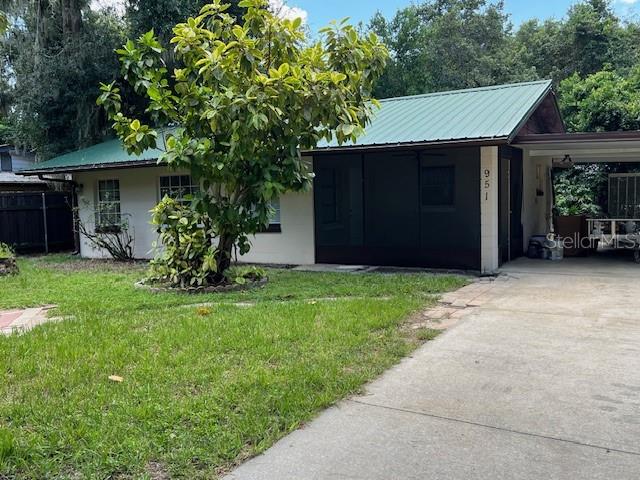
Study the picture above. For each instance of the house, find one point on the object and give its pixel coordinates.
(458, 179)
(13, 160)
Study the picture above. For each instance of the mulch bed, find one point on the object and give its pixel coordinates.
(211, 289)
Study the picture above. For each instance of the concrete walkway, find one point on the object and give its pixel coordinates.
(540, 381)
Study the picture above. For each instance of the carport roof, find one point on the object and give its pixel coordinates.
(590, 147)
(487, 113)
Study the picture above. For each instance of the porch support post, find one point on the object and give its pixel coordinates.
(490, 253)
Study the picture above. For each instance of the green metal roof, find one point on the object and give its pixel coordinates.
(109, 154)
(485, 113)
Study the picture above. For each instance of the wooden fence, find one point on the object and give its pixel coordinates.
(37, 222)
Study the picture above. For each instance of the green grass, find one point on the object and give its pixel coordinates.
(204, 387)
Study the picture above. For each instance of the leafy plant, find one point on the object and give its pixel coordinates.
(576, 191)
(186, 257)
(117, 238)
(6, 251)
(251, 94)
(243, 274)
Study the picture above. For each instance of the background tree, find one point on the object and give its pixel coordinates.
(248, 98)
(54, 55)
(446, 44)
(590, 38)
(603, 101)
(162, 15)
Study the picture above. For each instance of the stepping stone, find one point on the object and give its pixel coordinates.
(12, 321)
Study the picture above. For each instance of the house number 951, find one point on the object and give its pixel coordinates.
(487, 183)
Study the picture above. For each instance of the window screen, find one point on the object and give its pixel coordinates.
(438, 186)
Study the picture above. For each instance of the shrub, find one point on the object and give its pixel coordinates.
(243, 274)
(116, 238)
(186, 255)
(8, 264)
(6, 251)
(186, 252)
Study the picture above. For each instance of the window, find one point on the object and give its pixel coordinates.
(275, 218)
(438, 186)
(274, 222)
(5, 162)
(177, 187)
(108, 216)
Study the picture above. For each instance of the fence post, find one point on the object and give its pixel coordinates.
(44, 219)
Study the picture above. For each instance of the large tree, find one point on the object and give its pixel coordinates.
(601, 102)
(445, 44)
(590, 38)
(248, 98)
(54, 55)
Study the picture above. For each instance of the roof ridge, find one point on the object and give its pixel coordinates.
(465, 90)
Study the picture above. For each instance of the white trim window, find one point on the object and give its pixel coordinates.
(274, 225)
(275, 217)
(108, 214)
(177, 187)
(274, 221)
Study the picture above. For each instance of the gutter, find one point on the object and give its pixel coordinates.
(88, 168)
(475, 142)
(73, 183)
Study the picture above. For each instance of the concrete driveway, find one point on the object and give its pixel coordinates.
(540, 382)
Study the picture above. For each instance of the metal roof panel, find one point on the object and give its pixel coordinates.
(477, 113)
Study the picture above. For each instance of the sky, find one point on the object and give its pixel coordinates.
(319, 12)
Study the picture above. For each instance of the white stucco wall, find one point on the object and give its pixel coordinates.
(139, 193)
(536, 210)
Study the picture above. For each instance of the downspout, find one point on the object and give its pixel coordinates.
(74, 208)
(552, 197)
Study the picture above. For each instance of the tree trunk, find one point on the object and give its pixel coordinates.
(71, 18)
(43, 11)
(225, 251)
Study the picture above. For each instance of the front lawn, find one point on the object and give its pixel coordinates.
(204, 387)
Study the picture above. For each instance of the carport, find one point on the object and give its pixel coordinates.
(619, 227)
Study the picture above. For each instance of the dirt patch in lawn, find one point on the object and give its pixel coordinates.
(77, 264)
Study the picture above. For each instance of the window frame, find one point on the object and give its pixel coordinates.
(108, 227)
(448, 206)
(193, 187)
(275, 226)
